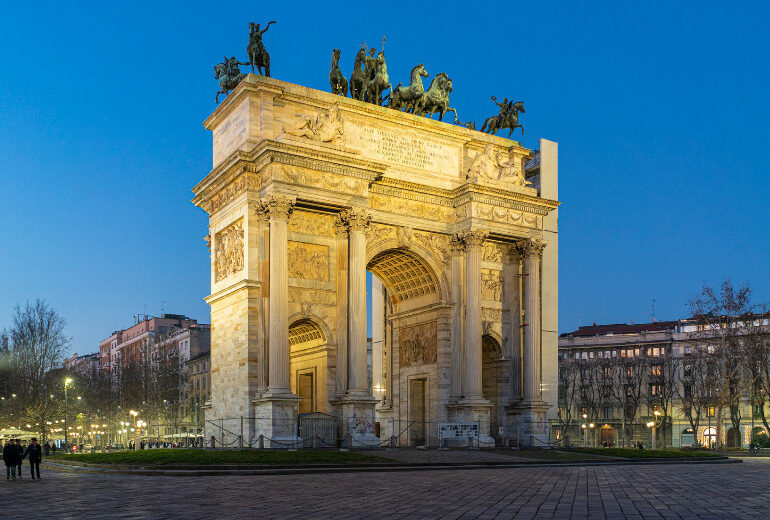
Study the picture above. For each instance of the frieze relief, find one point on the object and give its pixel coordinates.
(315, 296)
(308, 261)
(498, 214)
(417, 344)
(311, 223)
(323, 128)
(411, 207)
(323, 180)
(229, 250)
(492, 285)
(236, 187)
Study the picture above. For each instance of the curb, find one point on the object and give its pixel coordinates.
(201, 471)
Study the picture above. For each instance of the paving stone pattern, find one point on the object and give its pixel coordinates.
(653, 491)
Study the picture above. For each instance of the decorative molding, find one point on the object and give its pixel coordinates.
(228, 256)
(307, 177)
(417, 344)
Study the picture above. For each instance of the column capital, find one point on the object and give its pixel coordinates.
(531, 248)
(456, 245)
(277, 207)
(472, 237)
(356, 218)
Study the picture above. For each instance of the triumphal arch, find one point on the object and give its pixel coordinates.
(308, 192)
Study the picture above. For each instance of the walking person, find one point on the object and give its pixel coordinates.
(11, 459)
(21, 454)
(35, 457)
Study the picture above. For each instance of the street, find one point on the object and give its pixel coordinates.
(654, 491)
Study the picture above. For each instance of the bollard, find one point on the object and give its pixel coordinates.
(392, 442)
(261, 442)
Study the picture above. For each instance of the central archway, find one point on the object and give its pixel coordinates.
(408, 344)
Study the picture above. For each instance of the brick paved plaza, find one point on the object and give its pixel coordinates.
(654, 491)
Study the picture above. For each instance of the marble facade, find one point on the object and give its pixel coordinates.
(310, 190)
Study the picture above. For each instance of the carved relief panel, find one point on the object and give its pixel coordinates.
(492, 285)
(229, 250)
(308, 261)
(417, 344)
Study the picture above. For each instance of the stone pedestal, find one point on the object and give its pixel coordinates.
(384, 415)
(276, 419)
(528, 424)
(358, 421)
(472, 410)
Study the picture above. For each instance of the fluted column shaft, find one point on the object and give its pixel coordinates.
(473, 240)
(278, 208)
(357, 220)
(456, 390)
(532, 252)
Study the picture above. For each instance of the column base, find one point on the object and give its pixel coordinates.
(383, 413)
(358, 420)
(276, 420)
(473, 410)
(528, 424)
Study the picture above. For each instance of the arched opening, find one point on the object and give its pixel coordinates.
(308, 365)
(709, 437)
(492, 373)
(404, 342)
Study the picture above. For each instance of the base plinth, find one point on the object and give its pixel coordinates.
(528, 424)
(358, 421)
(276, 420)
(473, 410)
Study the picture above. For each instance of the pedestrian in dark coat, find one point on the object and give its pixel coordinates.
(35, 457)
(11, 459)
(47, 448)
(21, 454)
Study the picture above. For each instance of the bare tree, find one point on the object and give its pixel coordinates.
(568, 392)
(661, 386)
(628, 377)
(36, 343)
(694, 385)
(720, 314)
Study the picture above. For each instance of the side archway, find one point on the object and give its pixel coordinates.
(309, 362)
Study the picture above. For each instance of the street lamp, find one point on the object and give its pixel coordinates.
(66, 383)
(653, 425)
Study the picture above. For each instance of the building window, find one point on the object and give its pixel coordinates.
(607, 412)
(655, 390)
(687, 391)
(711, 411)
(656, 370)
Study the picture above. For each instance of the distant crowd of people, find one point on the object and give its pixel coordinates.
(14, 454)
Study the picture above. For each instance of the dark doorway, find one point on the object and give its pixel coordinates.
(417, 415)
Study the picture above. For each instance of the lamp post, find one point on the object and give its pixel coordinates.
(66, 440)
(653, 425)
(591, 427)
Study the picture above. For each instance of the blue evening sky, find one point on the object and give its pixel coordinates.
(660, 109)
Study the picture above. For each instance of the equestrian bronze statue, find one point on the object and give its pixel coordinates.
(229, 75)
(507, 118)
(256, 51)
(404, 97)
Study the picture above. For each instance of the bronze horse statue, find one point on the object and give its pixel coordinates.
(436, 98)
(229, 75)
(404, 97)
(380, 82)
(357, 78)
(508, 118)
(336, 79)
(256, 51)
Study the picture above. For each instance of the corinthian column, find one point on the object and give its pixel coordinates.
(278, 208)
(532, 252)
(473, 240)
(357, 220)
(457, 247)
